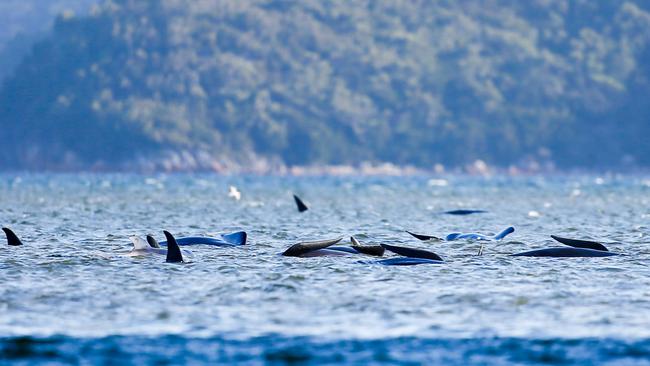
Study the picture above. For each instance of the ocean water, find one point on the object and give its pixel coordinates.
(70, 296)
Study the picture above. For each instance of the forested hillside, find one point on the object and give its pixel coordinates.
(335, 82)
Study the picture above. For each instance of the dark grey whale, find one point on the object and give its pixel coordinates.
(226, 240)
(411, 257)
(463, 212)
(12, 238)
(577, 248)
(325, 248)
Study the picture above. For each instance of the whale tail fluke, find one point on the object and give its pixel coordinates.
(504, 233)
(580, 243)
(376, 250)
(423, 237)
(299, 249)
(152, 242)
(236, 238)
(412, 252)
(12, 238)
(300, 204)
(173, 251)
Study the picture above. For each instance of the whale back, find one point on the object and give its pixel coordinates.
(236, 238)
(564, 252)
(504, 233)
(580, 243)
(463, 212)
(412, 252)
(12, 238)
(152, 242)
(299, 249)
(401, 261)
(173, 251)
(300, 204)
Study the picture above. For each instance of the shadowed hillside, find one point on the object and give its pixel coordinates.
(297, 83)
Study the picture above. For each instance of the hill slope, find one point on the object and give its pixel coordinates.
(325, 82)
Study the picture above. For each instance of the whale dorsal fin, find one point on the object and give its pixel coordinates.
(423, 237)
(237, 238)
(138, 243)
(301, 205)
(299, 249)
(412, 252)
(152, 242)
(376, 250)
(173, 251)
(12, 238)
(580, 243)
(504, 233)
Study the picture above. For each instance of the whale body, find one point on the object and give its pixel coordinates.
(563, 252)
(143, 248)
(227, 240)
(577, 248)
(474, 236)
(463, 212)
(402, 261)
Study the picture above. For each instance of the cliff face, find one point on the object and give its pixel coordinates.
(329, 82)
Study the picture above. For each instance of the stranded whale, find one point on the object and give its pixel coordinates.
(143, 248)
(325, 248)
(467, 236)
(578, 248)
(226, 240)
(412, 257)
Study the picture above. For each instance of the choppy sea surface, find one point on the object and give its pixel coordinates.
(69, 296)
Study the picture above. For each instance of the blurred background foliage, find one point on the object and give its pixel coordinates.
(557, 82)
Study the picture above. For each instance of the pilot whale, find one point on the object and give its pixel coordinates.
(174, 253)
(474, 236)
(12, 238)
(143, 248)
(325, 248)
(227, 240)
(577, 248)
(463, 212)
(412, 256)
(467, 236)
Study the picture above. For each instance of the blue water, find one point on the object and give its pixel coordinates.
(69, 295)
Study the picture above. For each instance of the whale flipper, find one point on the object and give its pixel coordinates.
(236, 238)
(412, 252)
(299, 249)
(301, 205)
(580, 243)
(423, 237)
(152, 242)
(376, 250)
(12, 238)
(504, 233)
(173, 251)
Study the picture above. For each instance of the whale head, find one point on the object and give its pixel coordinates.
(138, 243)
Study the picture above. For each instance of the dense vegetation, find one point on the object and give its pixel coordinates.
(309, 82)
